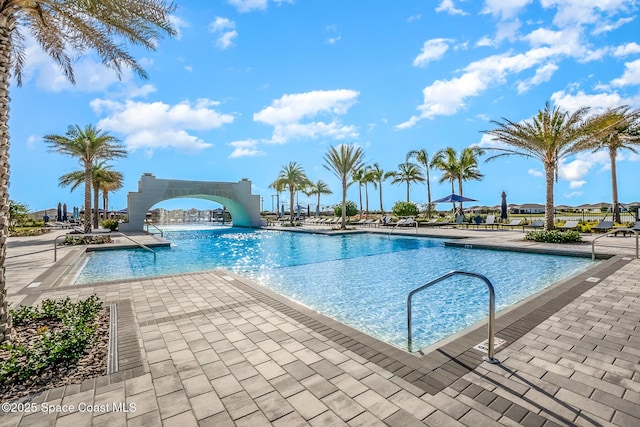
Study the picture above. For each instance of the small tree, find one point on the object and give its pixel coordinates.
(405, 209)
(351, 209)
(18, 214)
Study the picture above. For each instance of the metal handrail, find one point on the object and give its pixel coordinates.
(492, 308)
(55, 242)
(396, 226)
(156, 227)
(614, 231)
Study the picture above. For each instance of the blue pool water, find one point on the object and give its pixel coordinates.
(359, 279)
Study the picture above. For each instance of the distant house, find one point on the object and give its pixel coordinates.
(527, 208)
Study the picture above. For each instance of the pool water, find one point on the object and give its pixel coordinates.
(358, 279)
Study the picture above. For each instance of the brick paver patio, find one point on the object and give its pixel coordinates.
(214, 349)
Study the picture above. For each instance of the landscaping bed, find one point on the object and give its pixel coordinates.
(56, 343)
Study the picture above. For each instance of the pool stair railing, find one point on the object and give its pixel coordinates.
(492, 310)
(615, 231)
(405, 222)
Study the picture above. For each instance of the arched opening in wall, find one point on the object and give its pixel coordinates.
(189, 212)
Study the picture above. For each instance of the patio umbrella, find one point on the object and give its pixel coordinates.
(503, 206)
(59, 216)
(453, 198)
(64, 212)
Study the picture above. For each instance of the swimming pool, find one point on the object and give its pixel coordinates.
(358, 279)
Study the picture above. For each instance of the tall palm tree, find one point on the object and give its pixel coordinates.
(614, 130)
(63, 29)
(342, 161)
(358, 177)
(318, 188)
(87, 145)
(407, 173)
(279, 186)
(550, 136)
(294, 178)
(367, 178)
(377, 176)
(113, 182)
(422, 158)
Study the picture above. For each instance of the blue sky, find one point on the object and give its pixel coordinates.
(250, 85)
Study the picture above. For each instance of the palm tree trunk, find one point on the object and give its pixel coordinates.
(408, 185)
(291, 199)
(96, 204)
(428, 193)
(381, 208)
(614, 186)
(87, 197)
(360, 191)
(343, 220)
(453, 190)
(105, 203)
(6, 326)
(318, 209)
(549, 170)
(366, 198)
(460, 190)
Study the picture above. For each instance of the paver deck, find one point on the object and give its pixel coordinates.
(212, 348)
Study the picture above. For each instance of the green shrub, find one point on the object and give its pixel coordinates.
(111, 224)
(86, 240)
(553, 236)
(50, 348)
(405, 209)
(352, 209)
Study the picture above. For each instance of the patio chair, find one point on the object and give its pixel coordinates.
(490, 222)
(568, 225)
(603, 226)
(514, 223)
(538, 223)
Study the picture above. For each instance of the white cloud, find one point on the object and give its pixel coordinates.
(570, 12)
(484, 41)
(627, 49)
(606, 26)
(149, 126)
(178, 23)
(599, 102)
(248, 5)
(225, 30)
(535, 172)
(505, 9)
(543, 74)
(245, 148)
(287, 114)
(414, 18)
(333, 40)
(31, 141)
(577, 184)
(631, 75)
(432, 50)
(448, 7)
(573, 194)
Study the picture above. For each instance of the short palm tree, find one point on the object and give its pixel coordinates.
(422, 158)
(103, 176)
(342, 161)
(407, 173)
(293, 177)
(458, 167)
(368, 178)
(550, 136)
(87, 145)
(358, 177)
(614, 130)
(377, 176)
(113, 182)
(63, 28)
(318, 188)
(279, 186)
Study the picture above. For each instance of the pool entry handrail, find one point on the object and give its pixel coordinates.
(143, 246)
(154, 226)
(615, 231)
(492, 308)
(403, 222)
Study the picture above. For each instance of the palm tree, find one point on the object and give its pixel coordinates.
(278, 185)
(319, 187)
(103, 176)
(377, 176)
(550, 136)
(112, 182)
(614, 130)
(342, 162)
(458, 167)
(62, 29)
(358, 176)
(88, 144)
(422, 157)
(367, 179)
(408, 173)
(292, 176)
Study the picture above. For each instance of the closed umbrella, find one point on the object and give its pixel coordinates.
(64, 212)
(59, 216)
(503, 206)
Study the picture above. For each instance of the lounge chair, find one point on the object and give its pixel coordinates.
(460, 221)
(514, 223)
(603, 226)
(490, 221)
(437, 223)
(538, 223)
(568, 225)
